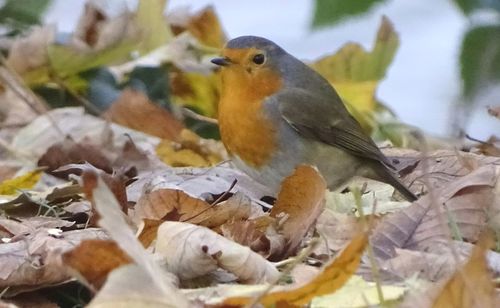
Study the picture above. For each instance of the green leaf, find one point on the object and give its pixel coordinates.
(329, 12)
(480, 59)
(22, 13)
(469, 6)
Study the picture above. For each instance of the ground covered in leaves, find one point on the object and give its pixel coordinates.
(129, 206)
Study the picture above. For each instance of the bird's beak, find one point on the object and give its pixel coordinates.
(221, 61)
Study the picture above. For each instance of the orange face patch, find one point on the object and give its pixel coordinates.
(245, 129)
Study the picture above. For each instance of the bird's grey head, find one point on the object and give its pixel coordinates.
(250, 49)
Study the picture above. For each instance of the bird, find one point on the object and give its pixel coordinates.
(276, 113)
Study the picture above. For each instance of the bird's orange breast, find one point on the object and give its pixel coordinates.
(245, 128)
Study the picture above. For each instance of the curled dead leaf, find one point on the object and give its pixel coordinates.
(191, 251)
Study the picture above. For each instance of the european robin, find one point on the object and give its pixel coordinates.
(276, 113)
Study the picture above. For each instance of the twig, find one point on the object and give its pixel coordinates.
(31, 100)
(193, 115)
(371, 256)
(80, 99)
(296, 260)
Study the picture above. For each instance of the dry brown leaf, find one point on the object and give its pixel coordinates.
(439, 168)
(191, 251)
(467, 200)
(259, 234)
(199, 182)
(491, 147)
(116, 183)
(33, 299)
(29, 225)
(93, 260)
(472, 285)
(333, 276)
(33, 261)
(147, 231)
(170, 204)
(34, 139)
(71, 152)
(336, 230)
(300, 201)
(134, 109)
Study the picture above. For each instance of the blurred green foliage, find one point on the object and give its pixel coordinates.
(329, 12)
(18, 15)
(480, 51)
(480, 59)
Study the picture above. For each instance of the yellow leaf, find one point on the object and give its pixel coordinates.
(334, 276)
(189, 151)
(25, 181)
(355, 72)
(196, 90)
(359, 293)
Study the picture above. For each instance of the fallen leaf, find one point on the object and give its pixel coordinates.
(33, 261)
(16, 185)
(437, 168)
(336, 230)
(71, 152)
(259, 234)
(471, 285)
(491, 147)
(463, 203)
(133, 109)
(93, 260)
(114, 222)
(191, 251)
(359, 293)
(131, 286)
(46, 130)
(333, 276)
(300, 201)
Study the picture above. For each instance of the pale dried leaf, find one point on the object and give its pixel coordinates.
(131, 286)
(34, 261)
(191, 251)
(34, 139)
(336, 230)
(440, 167)
(30, 52)
(467, 199)
(113, 221)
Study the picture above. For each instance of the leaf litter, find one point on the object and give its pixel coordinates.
(141, 210)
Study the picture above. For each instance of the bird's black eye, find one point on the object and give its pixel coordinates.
(259, 59)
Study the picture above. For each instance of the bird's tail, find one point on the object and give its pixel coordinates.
(389, 177)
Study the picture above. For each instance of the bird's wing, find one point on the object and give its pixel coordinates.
(322, 119)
